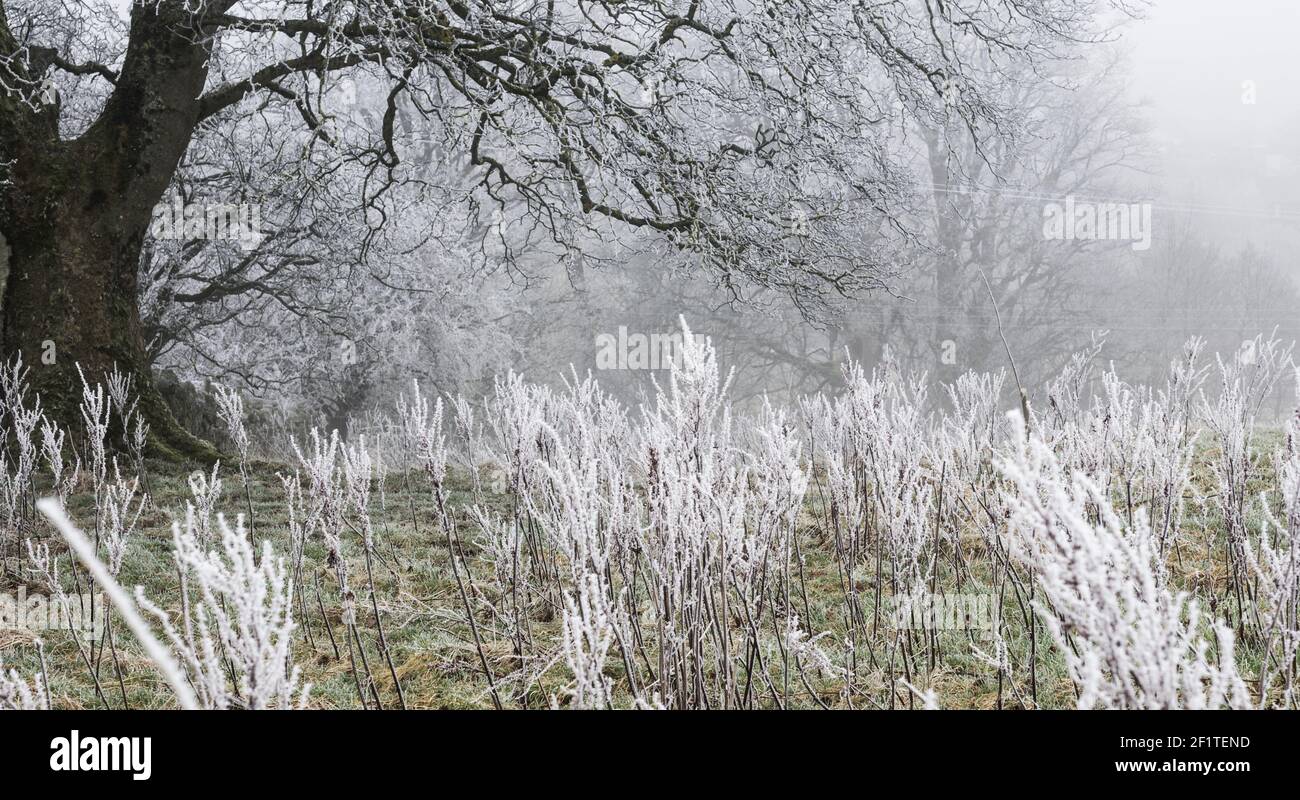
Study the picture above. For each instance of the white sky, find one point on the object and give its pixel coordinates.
(1190, 59)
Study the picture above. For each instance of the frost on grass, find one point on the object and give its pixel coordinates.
(240, 621)
(685, 553)
(19, 694)
(1127, 639)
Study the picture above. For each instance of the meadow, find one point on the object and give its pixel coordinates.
(1089, 544)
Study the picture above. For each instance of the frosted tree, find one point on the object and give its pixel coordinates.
(757, 144)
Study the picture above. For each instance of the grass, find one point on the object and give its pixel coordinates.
(431, 646)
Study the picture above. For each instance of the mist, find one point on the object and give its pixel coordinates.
(645, 354)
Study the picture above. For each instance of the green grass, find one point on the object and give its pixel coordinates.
(431, 645)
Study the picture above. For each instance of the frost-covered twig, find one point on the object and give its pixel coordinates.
(85, 552)
(1127, 639)
(243, 618)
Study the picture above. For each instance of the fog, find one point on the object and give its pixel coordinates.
(1204, 94)
(688, 351)
(1095, 182)
(1233, 158)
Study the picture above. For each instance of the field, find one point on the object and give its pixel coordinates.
(1129, 548)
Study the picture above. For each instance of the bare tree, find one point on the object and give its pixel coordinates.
(712, 124)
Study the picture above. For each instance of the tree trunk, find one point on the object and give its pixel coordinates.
(75, 215)
(948, 344)
(71, 301)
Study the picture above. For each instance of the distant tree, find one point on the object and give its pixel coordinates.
(1083, 138)
(1188, 287)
